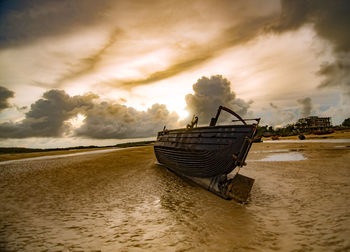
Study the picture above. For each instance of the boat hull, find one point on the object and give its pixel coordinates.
(204, 152)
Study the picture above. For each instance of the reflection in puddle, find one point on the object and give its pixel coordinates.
(270, 151)
(284, 157)
(346, 140)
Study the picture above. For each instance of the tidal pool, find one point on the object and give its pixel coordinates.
(284, 157)
(345, 140)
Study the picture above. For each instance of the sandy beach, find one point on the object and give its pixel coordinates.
(103, 102)
(15, 156)
(123, 201)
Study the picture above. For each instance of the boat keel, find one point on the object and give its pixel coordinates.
(237, 188)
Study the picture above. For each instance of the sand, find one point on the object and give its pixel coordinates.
(14, 156)
(123, 201)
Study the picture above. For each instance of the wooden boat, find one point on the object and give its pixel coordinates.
(301, 137)
(206, 152)
(275, 138)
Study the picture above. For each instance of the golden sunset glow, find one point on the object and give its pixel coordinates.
(125, 55)
(77, 121)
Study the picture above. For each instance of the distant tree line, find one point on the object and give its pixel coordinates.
(267, 131)
(13, 150)
(346, 123)
(291, 130)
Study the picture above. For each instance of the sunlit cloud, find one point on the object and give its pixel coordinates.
(77, 121)
(137, 54)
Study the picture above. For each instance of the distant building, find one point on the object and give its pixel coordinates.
(313, 123)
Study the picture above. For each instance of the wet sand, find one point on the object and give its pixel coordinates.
(123, 201)
(15, 156)
(56, 155)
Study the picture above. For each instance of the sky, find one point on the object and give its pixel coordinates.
(104, 72)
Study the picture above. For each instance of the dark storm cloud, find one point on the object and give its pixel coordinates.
(337, 74)
(306, 107)
(112, 120)
(5, 94)
(330, 20)
(23, 22)
(47, 116)
(209, 94)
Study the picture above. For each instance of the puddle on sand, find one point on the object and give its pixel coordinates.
(346, 140)
(284, 157)
(270, 151)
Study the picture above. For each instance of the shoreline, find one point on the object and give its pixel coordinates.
(336, 137)
(341, 134)
(78, 153)
(68, 152)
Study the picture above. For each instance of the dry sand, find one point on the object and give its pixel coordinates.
(123, 201)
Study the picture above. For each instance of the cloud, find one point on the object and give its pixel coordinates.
(329, 19)
(337, 74)
(198, 54)
(27, 22)
(112, 120)
(273, 106)
(173, 22)
(281, 117)
(88, 64)
(172, 70)
(5, 94)
(23, 24)
(47, 116)
(20, 108)
(50, 115)
(209, 94)
(306, 106)
(337, 113)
